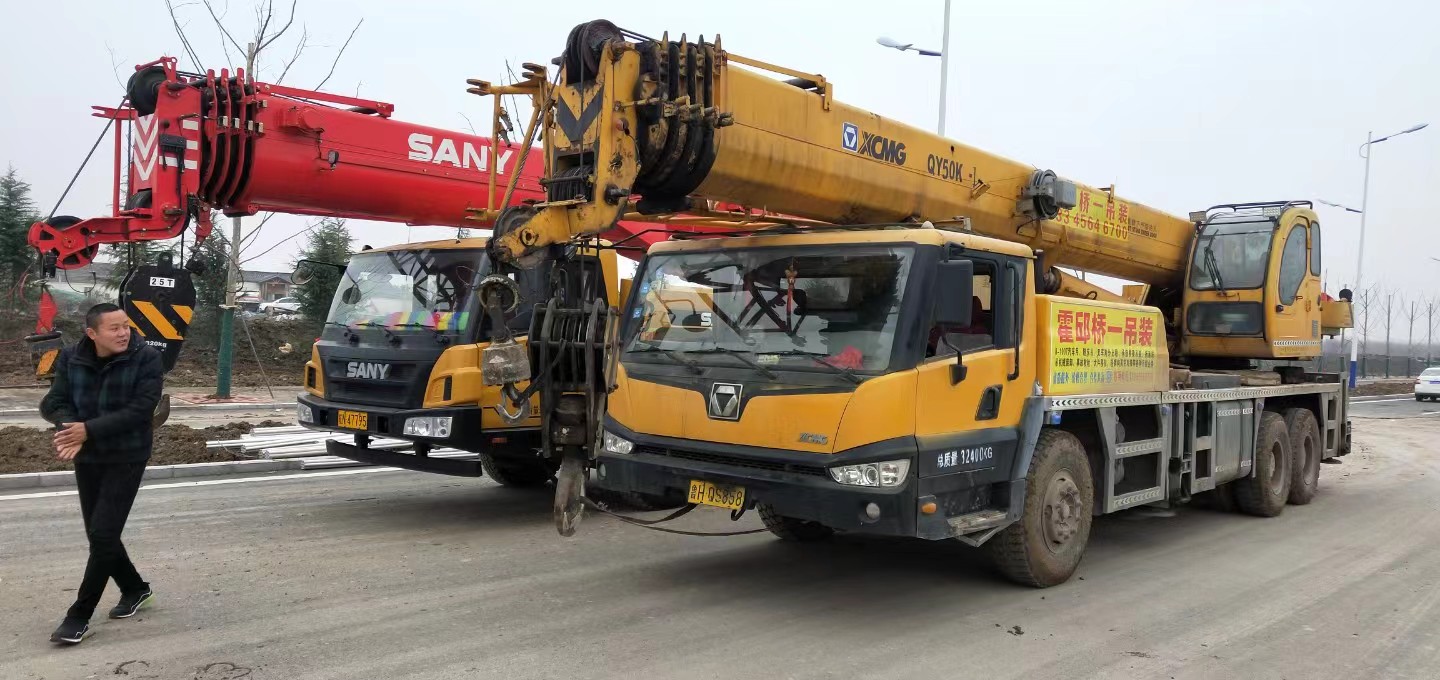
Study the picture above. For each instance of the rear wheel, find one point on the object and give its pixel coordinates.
(1306, 452)
(1044, 548)
(791, 529)
(1265, 491)
(518, 474)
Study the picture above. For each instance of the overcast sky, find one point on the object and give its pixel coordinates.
(1181, 104)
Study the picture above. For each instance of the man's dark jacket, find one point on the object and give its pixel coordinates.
(115, 401)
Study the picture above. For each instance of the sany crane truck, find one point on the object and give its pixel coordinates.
(922, 366)
(404, 332)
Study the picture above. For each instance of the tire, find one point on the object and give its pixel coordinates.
(1041, 550)
(632, 500)
(791, 529)
(516, 474)
(1265, 491)
(1306, 450)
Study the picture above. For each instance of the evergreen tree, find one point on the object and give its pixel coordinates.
(329, 241)
(17, 213)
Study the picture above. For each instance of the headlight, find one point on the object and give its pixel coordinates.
(620, 445)
(883, 473)
(428, 426)
(304, 414)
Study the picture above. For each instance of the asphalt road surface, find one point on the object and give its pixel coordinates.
(403, 575)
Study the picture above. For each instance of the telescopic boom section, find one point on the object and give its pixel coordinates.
(650, 125)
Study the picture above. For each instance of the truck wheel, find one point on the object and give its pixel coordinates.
(516, 474)
(1044, 548)
(1221, 498)
(791, 529)
(1264, 492)
(1306, 451)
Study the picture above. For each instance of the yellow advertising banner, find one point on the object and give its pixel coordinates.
(1099, 348)
(1098, 213)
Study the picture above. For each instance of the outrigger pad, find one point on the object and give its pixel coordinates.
(160, 299)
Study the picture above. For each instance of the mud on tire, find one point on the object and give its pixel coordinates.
(1306, 450)
(517, 474)
(1044, 548)
(791, 529)
(1265, 491)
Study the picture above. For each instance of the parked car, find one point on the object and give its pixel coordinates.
(285, 305)
(1427, 386)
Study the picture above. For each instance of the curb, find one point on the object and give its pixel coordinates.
(66, 478)
(277, 405)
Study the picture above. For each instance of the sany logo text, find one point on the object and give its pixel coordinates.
(423, 148)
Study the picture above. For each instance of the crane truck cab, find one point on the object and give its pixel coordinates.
(400, 358)
(911, 381)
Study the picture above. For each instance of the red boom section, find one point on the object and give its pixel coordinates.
(214, 141)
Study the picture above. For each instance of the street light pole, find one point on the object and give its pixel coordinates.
(1360, 256)
(943, 53)
(944, 68)
(1364, 211)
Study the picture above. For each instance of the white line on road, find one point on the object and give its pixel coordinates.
(1362, 400)
(211, 482)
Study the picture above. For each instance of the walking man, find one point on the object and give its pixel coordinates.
(102, 400)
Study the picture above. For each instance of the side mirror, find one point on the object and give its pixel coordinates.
(954, 291)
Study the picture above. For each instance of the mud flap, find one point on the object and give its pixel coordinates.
(160, 300)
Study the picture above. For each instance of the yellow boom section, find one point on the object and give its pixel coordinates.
(670, 120)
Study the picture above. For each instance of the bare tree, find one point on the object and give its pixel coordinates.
(1430, 322)
(1410, 314)
(1387, 307)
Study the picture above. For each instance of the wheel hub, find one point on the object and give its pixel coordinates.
(1062, 516)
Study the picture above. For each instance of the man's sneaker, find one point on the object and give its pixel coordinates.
(129, 604)
(71, 632)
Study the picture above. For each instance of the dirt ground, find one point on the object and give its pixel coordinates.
(1400, 386)
(281, 347)
(28, 449)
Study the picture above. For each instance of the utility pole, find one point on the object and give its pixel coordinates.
(944, 67)
(1430, 336)
(232, 280)
(1389, 321)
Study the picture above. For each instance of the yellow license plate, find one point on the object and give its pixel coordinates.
(353, 420)
(718, 495)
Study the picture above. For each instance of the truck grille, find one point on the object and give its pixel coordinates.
(735, 461)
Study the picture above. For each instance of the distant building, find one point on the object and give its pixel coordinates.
(266, 286)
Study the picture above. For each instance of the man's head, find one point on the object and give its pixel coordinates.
(107, 326)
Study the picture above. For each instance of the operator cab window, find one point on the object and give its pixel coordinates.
(947, 339)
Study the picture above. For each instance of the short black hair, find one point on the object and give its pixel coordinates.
(92, 317)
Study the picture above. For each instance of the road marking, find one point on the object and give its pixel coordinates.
(212, 482)
(1362, 400)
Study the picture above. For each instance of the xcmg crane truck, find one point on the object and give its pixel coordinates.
(922, 366)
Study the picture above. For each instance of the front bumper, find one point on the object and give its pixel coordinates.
(466, 434)
(795, 484)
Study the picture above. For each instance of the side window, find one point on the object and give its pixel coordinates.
(946, 340)
(1315, 249)
(1292, 265)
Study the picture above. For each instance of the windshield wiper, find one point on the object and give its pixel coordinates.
(1213, 269)
(738, 354)
(687, 363)
(388, 334)
(439, 335)
(819, 359)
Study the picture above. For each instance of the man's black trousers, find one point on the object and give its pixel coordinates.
(107, 490)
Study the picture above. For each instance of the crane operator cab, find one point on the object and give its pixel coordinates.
(1252, 289)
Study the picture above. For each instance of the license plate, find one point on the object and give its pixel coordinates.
(353, 420)
(718, 495)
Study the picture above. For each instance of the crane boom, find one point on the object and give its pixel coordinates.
(788, 146)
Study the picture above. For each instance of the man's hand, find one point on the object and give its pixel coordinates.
(73, 434)
(67, 453)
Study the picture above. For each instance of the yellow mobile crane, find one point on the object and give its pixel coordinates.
(908, 359)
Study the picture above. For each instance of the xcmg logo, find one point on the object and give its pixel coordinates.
(852, 138)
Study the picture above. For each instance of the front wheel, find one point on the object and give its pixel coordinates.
(791, 529)
(518, 474)
(1044, 548)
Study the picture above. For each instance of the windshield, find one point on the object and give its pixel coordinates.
(409, 290)
(778, 307)
(1231, 255)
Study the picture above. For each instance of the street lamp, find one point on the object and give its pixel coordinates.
(943, 53)
(1364, 207)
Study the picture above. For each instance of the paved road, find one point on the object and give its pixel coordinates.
(1394, 406)
(402, 575)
